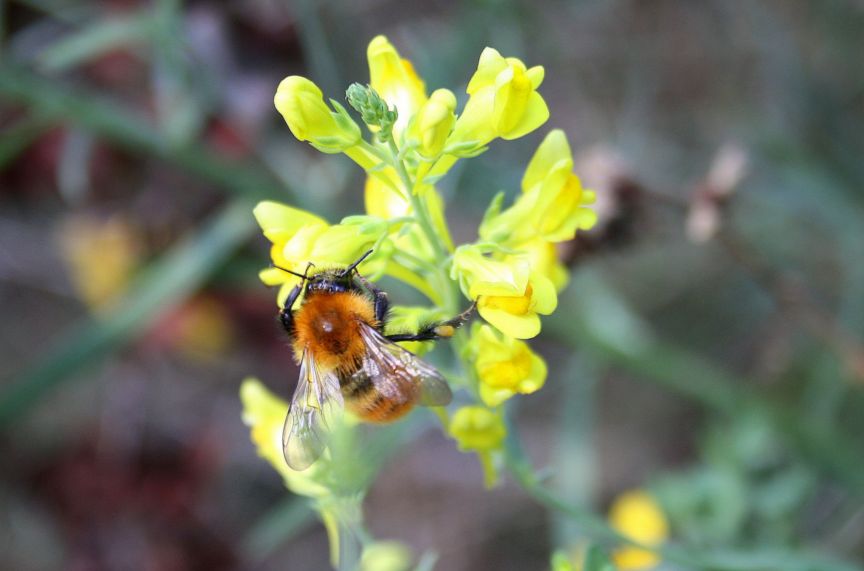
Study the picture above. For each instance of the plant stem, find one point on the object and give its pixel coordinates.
(419, 207)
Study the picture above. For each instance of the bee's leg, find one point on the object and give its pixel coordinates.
(382, 302)
(440, 330)
(286, 315)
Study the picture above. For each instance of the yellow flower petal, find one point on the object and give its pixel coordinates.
(520, 326)
(505, 366)
(490, 65)
(395, 80)
(482, 275)
(516, 315)
(503, 103)
(525, 118)
(544, 296)
(265, 413)
(553, 155)
(552, 205)
(433, 123)
(276, 217)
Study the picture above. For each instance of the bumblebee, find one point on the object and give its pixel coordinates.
(347, 361)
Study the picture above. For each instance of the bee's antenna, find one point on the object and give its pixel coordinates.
(302, 276)
(353, 266)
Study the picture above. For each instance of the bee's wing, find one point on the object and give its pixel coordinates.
(317, 402)
(396, 371)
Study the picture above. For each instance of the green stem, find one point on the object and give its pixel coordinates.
(417, 204)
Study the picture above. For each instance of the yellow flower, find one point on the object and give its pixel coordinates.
(395, 80)
(265, 414)
(302, 105)
(433, 123)
(504, 366)
(480, 430)
(479, 274)
(203, 329)
(101, 256)
(299, 238)
(386, 556)
(477, 429)
(553, 203)
(503, 101)
(517, 315)
(509, 293)
(637, 515)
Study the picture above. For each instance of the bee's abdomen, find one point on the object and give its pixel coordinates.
(367, 402)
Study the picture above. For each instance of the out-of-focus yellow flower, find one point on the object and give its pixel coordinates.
(203, 329)
(265, 413)
(517, 315)
(553, 203)
(504, 366)
(302, 105)
(503, 100)
(433, 123)
(299, 238)
(101, 256)
(386, 556)
(477, 429)
(637, 515)
(395, 80)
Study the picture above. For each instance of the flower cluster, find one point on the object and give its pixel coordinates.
(414, 138)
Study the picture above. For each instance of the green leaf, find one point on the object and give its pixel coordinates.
(287, 519)
(19, 136)
(54, 102)
(95, 40)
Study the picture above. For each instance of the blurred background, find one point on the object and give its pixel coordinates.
(708, 348)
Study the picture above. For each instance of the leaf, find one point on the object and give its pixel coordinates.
(17, 138)
(284, 521)
(95, 40)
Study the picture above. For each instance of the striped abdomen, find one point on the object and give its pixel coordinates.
(378, 397)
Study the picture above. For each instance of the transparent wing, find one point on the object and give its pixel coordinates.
(316, 404)
(395, 371)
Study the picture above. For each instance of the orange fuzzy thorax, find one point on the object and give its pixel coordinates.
(328, 325)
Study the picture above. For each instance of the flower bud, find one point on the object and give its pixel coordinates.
(302, 105)
(434, 122)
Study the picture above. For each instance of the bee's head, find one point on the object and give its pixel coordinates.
(329, 281)
(334, 281)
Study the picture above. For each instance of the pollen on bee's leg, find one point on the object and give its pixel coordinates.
(445, 331)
